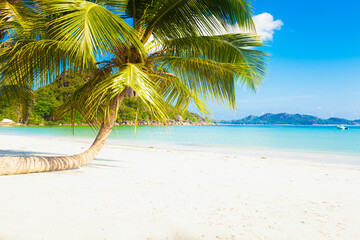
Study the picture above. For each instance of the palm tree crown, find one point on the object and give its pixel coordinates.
(174, 52)
(186, 59)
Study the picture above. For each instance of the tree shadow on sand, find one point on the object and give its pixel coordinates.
(17, 153)
(96, 163)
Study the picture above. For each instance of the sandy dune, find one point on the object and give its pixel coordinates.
(163, 193)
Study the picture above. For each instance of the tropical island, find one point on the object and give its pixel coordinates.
(289, 119)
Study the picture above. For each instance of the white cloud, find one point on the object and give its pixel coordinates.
(266, 26)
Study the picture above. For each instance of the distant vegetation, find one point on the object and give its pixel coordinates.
(48, 99)
(294, 119)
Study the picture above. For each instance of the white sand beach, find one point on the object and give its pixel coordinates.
(132, 192)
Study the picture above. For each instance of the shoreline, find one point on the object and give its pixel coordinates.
(156, 193)
(264, 153)
(284, 153)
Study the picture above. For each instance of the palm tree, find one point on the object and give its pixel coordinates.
(174, 52)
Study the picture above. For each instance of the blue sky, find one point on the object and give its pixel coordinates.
(315, 60)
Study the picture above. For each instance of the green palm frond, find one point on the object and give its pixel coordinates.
(116, 6)
(87, 26)
(210, 65)
(136, 77)
(177, 93)
(208, 79)
(87, 101)
(229, 48)
(39, 62)
(176, 18)
(93, 98)
(10, 92)
(231, 12)
(14, 18)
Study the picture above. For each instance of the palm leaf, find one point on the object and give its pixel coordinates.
(179, 18)
(210, 65)
(87, 26)
(38, 63)
(93, 98)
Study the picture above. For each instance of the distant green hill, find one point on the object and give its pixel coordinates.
(293, 119)
(48, 98)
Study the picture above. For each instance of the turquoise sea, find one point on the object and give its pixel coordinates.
(313, 139)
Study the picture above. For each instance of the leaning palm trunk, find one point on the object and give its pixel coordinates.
(21, 165)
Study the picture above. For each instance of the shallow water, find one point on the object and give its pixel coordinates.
(319, 139)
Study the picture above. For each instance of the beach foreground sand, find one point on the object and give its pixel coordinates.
(166, 193)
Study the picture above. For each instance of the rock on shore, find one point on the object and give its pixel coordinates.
(6, 121)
